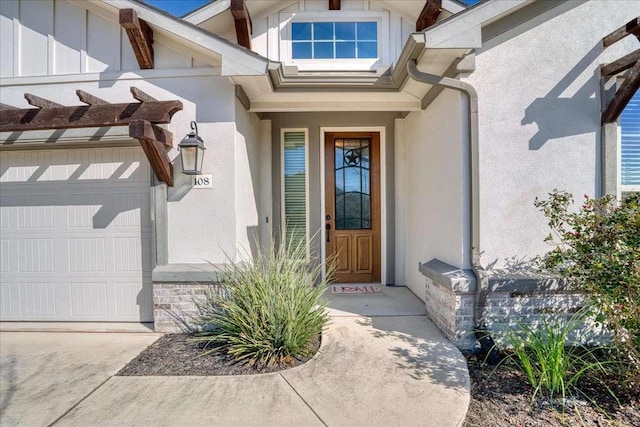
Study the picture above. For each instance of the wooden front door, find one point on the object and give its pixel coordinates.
(352, 217)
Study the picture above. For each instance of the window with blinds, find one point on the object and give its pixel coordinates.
(630, 151)
(294, 149)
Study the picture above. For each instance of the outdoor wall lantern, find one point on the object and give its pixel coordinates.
(192, 150)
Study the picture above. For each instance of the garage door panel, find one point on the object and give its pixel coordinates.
(74, 166)
(76, 236)
(76, 301)
(86, 255)
(27, 299)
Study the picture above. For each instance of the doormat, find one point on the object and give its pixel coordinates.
(356, 289)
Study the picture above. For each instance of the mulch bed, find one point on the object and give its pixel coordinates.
(502, 397)
(174, 354)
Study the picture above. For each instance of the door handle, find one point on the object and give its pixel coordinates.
(328, 228)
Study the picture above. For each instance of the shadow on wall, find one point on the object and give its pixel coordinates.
(182, 183)
(524, 265)
(81, 187)
(557, 116)
(253, 237)
(421, 355)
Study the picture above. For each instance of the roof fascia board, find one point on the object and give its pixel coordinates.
(464, 30)
(447, 5)
(208, 11)
(522, 15)
(236, 60)
(453, 6)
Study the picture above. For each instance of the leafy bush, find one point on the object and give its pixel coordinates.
(598, 250)
(549, 363)
(266, 311)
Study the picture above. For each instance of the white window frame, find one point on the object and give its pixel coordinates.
(337, 64)
(623, 188)
(283, 218)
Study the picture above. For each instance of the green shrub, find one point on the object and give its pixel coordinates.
(266, 311)
(598, 250)
(542, 352)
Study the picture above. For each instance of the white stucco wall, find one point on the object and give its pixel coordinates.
(247, 180)
(202, 222)
(434, 173)
(539, 107)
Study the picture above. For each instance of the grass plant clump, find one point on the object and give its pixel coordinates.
(268, 310)
(551, 365)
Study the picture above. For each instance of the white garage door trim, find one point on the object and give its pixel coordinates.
(75, 235)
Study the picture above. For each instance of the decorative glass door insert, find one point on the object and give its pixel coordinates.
(352, 183)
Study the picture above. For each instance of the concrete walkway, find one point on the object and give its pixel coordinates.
(381, 363)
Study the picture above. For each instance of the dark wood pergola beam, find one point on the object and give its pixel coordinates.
(141, 117)
(623, 95)
(86, 116)
(140, 36)
(154, 142)
(631, 27)
(429, 14)
(242, 22)
(334, 4)
(621, 64)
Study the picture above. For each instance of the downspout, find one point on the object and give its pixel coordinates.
(474, 181)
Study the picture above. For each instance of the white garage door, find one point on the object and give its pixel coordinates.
(75, 235)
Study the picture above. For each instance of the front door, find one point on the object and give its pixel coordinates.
(352, 217)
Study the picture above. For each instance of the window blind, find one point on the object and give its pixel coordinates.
(630, 129)
(295, 191)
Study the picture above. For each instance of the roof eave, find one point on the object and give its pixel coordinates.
(236, 60)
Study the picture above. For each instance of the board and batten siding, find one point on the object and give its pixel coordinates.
(50, 37)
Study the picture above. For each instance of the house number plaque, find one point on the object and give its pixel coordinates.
(203, 181)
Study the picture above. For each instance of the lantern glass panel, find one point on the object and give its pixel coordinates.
(199, 159)
(189, 159)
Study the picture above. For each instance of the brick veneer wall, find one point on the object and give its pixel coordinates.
(452, 313)
(175, 301)
(450, 301)
(505, 311)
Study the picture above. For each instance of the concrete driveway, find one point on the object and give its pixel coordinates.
(44, 375)
(381, 363)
